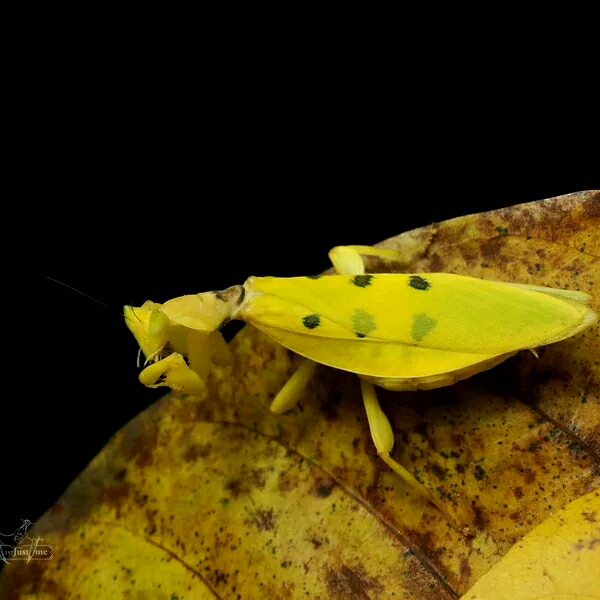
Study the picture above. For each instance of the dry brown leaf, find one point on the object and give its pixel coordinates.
(214, 497)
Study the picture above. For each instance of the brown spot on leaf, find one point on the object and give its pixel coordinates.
(426, 543)
(351, 584)
(248, 480)
(196, 451)
(324, 486)
(204, 412)
(518, 492)
(479, 472)
(589, 516)
(140, 437)
(436, 263)
(465, 571)
(287, 481)
(491, 250)
(116, 495)
(120, 475)
(458, 439)
(235, 487)
(591, 207)
(468, 254)
(479, 518)
(263, 519)
(150, 529)
(447, 236)
(438, 472)
(575, 447)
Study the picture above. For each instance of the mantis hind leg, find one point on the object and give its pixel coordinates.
(383, 438)
(347, 259)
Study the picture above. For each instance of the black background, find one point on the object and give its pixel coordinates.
(140, 200)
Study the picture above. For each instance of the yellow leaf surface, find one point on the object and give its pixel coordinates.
(212, 496)
(558, 560)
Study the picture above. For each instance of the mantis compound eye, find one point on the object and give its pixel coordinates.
(157, 322)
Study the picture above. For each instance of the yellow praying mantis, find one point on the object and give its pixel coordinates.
(396, 331)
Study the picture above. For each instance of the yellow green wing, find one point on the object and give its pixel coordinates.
(435, 311)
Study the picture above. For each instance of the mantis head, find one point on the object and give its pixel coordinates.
(181, 338)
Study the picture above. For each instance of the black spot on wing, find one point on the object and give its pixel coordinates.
(311, 321)
(362, 280)
(360, 335)
(418, 283)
